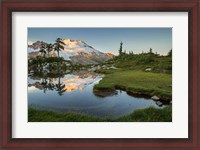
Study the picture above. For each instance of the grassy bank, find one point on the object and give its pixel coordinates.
(142, 61)
(137, 82)
(141, 115)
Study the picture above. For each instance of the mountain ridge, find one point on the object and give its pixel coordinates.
(77, 51)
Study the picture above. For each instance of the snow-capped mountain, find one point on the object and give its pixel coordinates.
(77, 51)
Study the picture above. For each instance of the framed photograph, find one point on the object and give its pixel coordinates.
(100, 74)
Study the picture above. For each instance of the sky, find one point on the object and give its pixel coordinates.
(108, 39)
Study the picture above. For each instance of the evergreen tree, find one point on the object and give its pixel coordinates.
(151, 51)
(43, 50)
(120, 49)
(169, 53)
(49, 48)
(124, 52)
(58, 46)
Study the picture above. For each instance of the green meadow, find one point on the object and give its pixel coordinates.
(141, 115)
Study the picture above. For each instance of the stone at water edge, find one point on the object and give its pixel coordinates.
(159, 103)
(148, 69)
(156, 98)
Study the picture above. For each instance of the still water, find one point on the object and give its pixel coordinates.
(73, 92)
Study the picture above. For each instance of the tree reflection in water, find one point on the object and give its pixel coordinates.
(60, 87)
(62, 82)
(45, 81)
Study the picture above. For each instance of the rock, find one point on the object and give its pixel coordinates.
(148, 69)
(98, 67)
(67, 64)
(105, 93)
(29, 85)
(39, 85)
(156, 98)
(112, 67)
(159, 103)
(93, 69)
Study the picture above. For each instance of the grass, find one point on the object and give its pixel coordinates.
(138, 82)
(35, 115)
(131, 76)
(150, 114)
(143, 61)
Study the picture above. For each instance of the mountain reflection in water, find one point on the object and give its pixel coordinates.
(73, 92)
(62, 83)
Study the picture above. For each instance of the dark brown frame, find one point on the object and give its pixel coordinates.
(9, 6)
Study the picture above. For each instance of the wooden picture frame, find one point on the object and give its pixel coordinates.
(9, 6)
